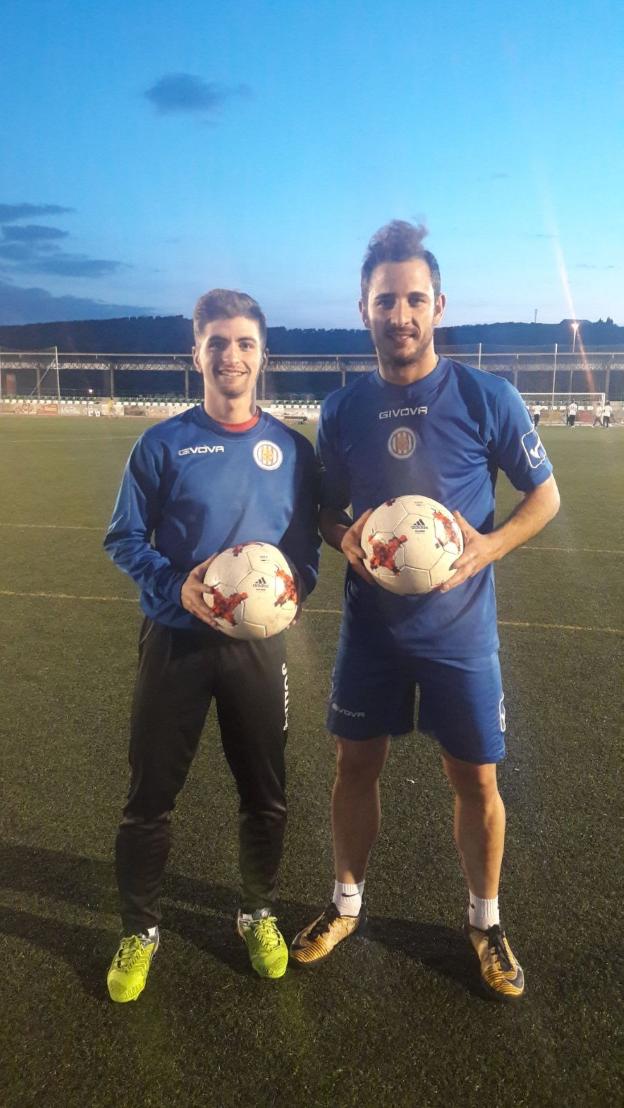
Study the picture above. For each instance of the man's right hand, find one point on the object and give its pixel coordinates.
(351, 546)
(192, 594)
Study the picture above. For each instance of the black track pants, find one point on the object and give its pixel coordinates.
(179, 674)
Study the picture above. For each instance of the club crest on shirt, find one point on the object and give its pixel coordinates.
(402, 442)
(267, 455)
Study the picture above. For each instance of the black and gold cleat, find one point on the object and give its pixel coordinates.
(501, 976)
(316, 941)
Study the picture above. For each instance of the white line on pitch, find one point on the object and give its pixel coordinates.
(311, 611)
(572, 549)
(558, 626)
(102, 529)
(501, 623)
(65, 443)
(70, 596)
(56, 526)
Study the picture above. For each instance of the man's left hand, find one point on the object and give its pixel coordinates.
(479, 551)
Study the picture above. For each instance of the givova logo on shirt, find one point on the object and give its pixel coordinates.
(200, 450)
(347, 711)
(402, 442)
(267, 455)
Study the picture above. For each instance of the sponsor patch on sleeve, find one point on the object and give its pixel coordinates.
(532, 446)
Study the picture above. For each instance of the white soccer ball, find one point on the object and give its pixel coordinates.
(411, 543)
(251, 591)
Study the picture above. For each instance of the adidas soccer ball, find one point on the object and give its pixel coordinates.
(411, 543)
(251, 591)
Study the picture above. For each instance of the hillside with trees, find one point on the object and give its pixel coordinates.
(174, 335)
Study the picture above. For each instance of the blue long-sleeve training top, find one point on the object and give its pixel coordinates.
(192, 488)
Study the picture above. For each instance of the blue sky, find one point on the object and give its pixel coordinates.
(152, 150)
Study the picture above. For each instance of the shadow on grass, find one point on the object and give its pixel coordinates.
(90, 882)
(441, 949)
(86, 950)
(199, 912)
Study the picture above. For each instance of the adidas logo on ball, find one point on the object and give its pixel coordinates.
(251, 591)
(411, 545)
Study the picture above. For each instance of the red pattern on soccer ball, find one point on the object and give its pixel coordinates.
(223, 607)
(290, 589)
(384, 553)
(450, 527)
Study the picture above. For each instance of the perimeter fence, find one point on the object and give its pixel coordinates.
(55, 376)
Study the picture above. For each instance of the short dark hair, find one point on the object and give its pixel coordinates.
(227, 304)
(398, 241)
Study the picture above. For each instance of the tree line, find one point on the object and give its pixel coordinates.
(174, 335)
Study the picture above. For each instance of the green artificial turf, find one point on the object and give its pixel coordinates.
(395, 1018)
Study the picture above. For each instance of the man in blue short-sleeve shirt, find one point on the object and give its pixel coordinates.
(422, 424)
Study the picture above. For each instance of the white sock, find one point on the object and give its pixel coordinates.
(348, 898)
(251, 917)
(482, 913)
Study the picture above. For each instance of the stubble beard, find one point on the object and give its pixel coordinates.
(400, 362)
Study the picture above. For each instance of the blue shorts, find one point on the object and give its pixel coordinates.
(461, 701)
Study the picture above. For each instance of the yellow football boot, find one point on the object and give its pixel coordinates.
(501, 976)
(316, 941)
(265, 944)
(130, 966)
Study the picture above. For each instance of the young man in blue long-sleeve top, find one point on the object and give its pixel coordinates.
(222, 473)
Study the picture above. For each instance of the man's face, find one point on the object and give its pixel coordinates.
(401, 311)
(229, 355)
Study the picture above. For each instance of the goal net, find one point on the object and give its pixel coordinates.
(552, 406)
(28, 377)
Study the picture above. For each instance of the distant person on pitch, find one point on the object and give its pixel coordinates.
(572, 410)
(422, 424)
(222, 473)
(598, 414)
(606, 415)
(536, 414)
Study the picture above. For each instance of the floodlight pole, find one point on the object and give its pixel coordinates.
(58, 376)
(552, 401)
(575, 327)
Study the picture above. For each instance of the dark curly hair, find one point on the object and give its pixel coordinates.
(398, 241)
